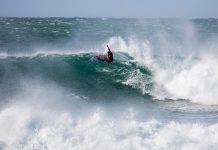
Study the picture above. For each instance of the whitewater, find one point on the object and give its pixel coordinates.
(160, 92)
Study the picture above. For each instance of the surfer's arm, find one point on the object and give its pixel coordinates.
(108, 48)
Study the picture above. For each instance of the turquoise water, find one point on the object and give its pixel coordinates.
(159, 93)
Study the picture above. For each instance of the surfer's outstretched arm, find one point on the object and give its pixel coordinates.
(108, 48)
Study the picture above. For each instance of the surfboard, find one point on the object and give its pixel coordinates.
(97, 58)
(94, 58)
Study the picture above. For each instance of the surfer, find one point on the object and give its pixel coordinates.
(109, 58)
(109, 55)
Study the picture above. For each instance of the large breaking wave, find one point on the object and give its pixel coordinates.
(135, 71)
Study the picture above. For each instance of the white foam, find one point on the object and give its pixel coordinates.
(38, 118)
(138, 80)
(23, 127)
(198, 83)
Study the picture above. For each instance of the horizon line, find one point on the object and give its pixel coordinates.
(185, 18)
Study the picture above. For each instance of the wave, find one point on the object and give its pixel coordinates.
(142, 66)
(78, 73)
(169, 77)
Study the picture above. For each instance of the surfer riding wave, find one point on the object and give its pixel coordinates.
(109, 58)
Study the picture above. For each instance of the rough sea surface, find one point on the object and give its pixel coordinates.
(161, 91)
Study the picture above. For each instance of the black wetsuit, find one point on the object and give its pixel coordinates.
(110, 56)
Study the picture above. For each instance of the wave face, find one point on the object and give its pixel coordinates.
(78, 72)
(163, 81)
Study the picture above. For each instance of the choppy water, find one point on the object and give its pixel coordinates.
(159, 93)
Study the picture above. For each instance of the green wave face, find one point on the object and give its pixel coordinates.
(78, 73)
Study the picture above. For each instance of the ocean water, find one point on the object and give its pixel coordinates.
(161, 91)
